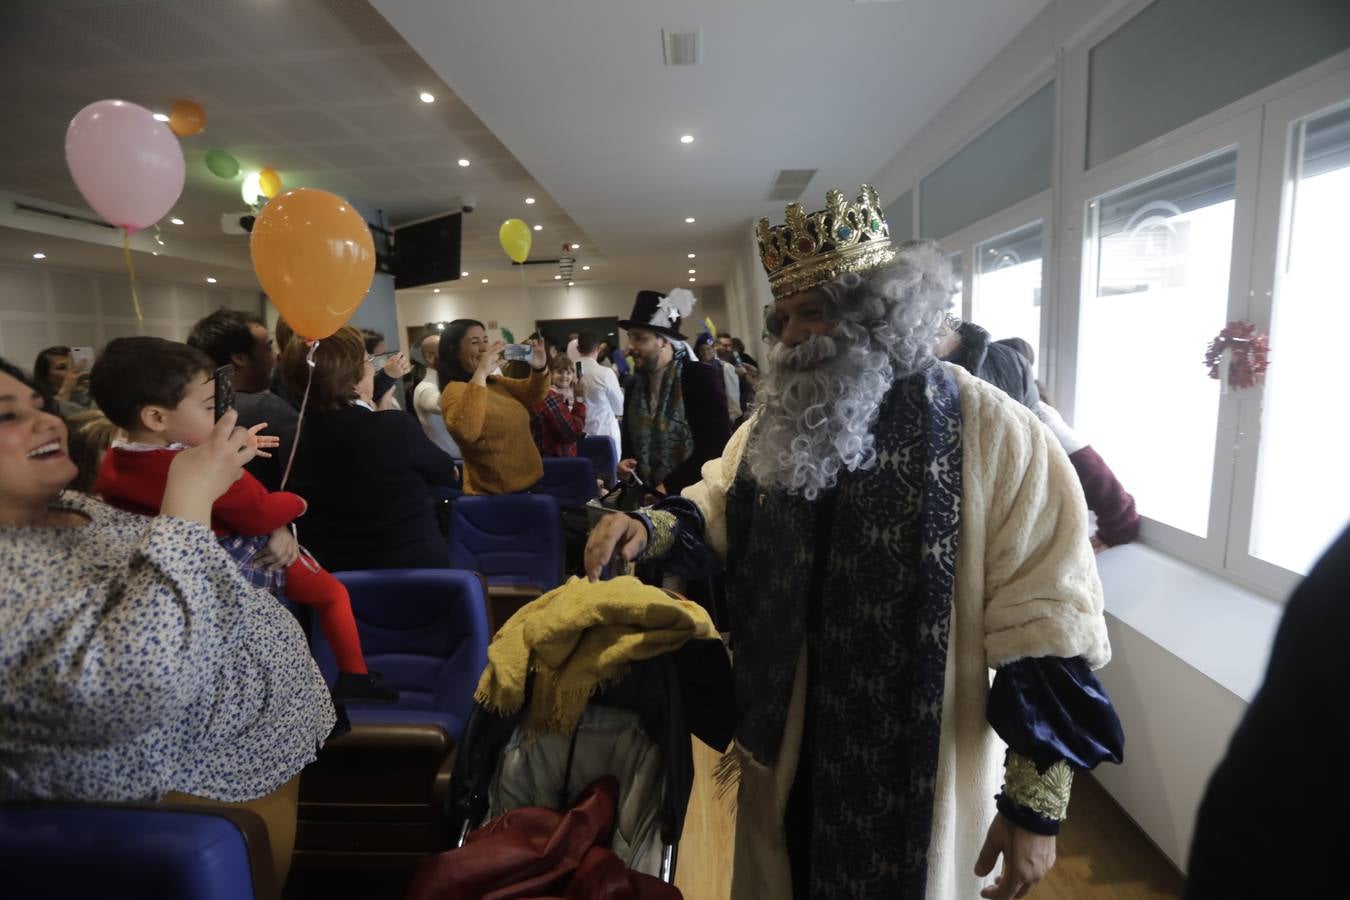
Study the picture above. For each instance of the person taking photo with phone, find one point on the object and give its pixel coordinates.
(489, 415)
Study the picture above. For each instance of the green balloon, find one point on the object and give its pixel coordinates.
(222, 164)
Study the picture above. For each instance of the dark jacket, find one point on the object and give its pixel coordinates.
(280, 416)
(706, 408)
(1271, 823)
(367, 477)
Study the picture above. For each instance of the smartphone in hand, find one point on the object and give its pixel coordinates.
(81, 358)
(519, 352)
(224, 390)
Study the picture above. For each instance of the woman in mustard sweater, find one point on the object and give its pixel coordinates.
(488, 415)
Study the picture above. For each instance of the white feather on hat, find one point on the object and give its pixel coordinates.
(673, 307)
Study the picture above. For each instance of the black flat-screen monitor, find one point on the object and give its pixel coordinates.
(428, 252)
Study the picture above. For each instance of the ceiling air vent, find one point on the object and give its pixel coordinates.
(789, 184)
(683, 47)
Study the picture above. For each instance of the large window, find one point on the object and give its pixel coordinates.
(1302, 487)
(1157, 291)
(1007, 299)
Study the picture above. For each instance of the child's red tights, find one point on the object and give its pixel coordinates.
(317, 588)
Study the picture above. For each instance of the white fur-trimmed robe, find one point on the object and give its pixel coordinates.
(1026, 586)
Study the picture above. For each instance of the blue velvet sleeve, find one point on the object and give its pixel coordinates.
(1053, 709)
(682, 551)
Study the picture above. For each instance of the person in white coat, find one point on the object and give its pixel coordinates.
(604, 399)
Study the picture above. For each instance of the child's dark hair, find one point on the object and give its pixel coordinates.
(135, 372)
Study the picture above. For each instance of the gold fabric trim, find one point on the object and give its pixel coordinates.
(1046, 793)
(662, 537)
(819, 269)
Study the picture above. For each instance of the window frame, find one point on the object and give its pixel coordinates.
(1273, 195)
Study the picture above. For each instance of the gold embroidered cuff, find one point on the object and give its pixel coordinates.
(1045, 793)
(660, 533)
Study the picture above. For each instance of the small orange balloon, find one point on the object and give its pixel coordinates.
(269, 182)
(186, 118)
(315, 259)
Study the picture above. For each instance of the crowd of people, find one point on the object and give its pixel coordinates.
(889, 508)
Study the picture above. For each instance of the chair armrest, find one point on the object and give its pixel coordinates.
(257, 841)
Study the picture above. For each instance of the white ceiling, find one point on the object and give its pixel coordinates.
(322, 90)
(578, 91)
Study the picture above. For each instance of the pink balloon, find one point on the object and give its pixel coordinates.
(128, 166)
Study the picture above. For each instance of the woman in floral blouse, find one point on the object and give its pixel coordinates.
(135, 661)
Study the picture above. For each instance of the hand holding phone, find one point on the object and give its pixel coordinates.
(518, 352)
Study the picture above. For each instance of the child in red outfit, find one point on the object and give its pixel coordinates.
(163, 395)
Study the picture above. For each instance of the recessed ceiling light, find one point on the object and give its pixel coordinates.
(463, 274)
(484, 281)
(160, 117)
(585, 268)
(435, 290)
(539, 228)
(154, 253)
(557, 278)
(463, 162)
(529, 201)
(692, 255)
(693, 271)
(689, 220)
(576, 246)
(210, 280)
(440, 326)
(686, 139)
(39, 255)
(177, 221)
(427, 97)
(693, 279)
(569, 284)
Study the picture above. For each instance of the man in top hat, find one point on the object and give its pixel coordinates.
(891, 529)
(675, 415)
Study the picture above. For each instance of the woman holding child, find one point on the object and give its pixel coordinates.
(137, 662)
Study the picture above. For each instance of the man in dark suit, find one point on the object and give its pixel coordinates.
(675, 415)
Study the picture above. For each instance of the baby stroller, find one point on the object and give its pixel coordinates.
(636, 730)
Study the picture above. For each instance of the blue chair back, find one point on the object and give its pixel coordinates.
(115, 852)
(426, 631)
(604, 456)
(510, 539)
(571, 479)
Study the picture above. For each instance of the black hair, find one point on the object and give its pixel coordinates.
(587, 341)
(43, 366)
(135, 372)
(373, 339)
(224, 333)
(1021, 346)
(18, 374)
(448, 367)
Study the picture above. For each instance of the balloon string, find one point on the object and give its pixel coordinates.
(304, 401)
(131, 267)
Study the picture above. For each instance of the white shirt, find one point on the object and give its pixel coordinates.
(573, 352)
(733, 386)
(604, 400)
(427, 403)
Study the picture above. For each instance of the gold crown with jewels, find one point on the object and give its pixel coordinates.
(811, 249)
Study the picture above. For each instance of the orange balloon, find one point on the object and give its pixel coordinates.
(269, 182)
(186, 118)
(315, 259)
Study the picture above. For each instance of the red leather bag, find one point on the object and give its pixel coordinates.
(534, 853)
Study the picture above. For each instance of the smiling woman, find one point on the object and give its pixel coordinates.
(134, 661)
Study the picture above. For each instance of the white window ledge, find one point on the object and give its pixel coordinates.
(1214, 626)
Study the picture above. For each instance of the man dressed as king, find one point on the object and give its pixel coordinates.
(891, 529)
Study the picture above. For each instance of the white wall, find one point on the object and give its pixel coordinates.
(41, 306)
(747, 293)
(517, 307)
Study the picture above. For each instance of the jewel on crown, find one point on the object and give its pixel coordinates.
(844, 236)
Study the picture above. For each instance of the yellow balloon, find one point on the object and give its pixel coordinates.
(516, 239)
(269, 182)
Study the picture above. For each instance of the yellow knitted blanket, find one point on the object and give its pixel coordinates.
(580, 638)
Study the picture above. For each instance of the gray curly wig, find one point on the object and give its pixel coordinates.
(819, 399)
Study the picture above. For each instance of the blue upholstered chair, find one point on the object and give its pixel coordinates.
(144, 852)
(603, 454)
(514, 541)
(570, 479)
(426, 630)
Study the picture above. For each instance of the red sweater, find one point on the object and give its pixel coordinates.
(134, 480)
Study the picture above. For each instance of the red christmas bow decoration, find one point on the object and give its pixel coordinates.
(1248, 355)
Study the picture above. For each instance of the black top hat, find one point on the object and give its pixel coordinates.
(659, 312)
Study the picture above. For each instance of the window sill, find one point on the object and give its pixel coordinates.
(1216, 627)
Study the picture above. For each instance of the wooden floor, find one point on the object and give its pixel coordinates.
(1102, 854)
